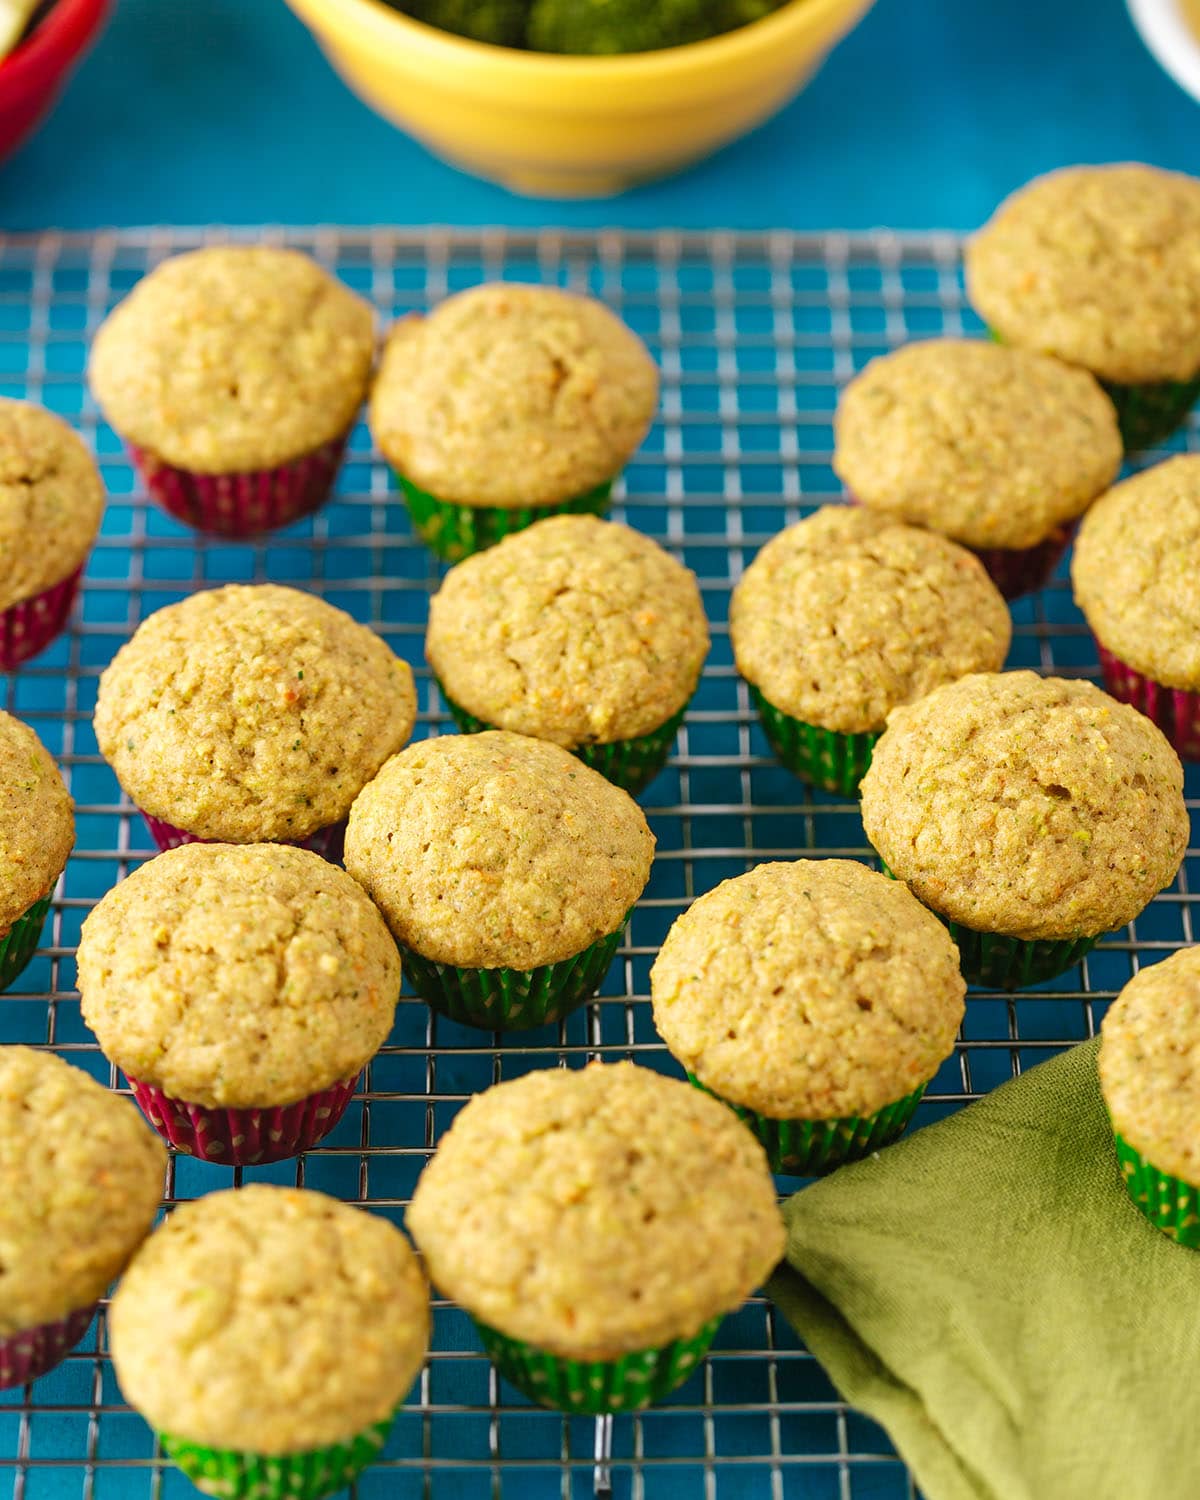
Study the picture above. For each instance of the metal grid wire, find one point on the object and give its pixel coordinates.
(755, 334)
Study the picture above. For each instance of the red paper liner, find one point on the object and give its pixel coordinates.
(29, 625)
(1017, 571)
(31, 1352)
(327, 841)
(244, 1137)
(1175, 710)
(246, 504)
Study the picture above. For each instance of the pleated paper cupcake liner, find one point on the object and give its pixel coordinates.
(30, 625)
(1018, 571)
(20, 942)
(326, 842)
(244, 1137)
(245, 504)
(33, 1351)
(593, 1387)
(1171, 1204)
(1148, 413)
(1175, 710)
(456, 531)
(310, 1475)
(837, 762)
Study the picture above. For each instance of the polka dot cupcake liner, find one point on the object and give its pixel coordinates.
(630, 764)
(310, 1475)
(1175, 710)
(20, 942)
(593, 1387)
(1170, 1204)
(512, 999)
(244, 1137)
(837, 762)
(245, 504)
(456, 531)
(1148, 413)
(34, 1351)
(30, 625)
(326, 842)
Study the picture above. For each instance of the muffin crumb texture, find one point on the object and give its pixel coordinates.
(1027, 806)
(599, 1212)
(811, 990)
(37, 821)
(576, 630)
(849, 613)
(496, 851)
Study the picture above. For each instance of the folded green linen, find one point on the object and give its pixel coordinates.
(986, 1291)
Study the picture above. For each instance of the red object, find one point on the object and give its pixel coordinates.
(32, 75)
(326, 842)
(1174, 710)
(244, 1137)
(1020, 571)
(29, 626)
(31, 1352)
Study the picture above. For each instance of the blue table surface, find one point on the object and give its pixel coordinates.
(199, 111)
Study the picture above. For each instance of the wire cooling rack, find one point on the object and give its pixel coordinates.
(755, 334)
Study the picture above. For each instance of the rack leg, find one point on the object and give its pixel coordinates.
(602, 1473)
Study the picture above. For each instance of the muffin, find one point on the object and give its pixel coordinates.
(1101, 267)
(596, 1225)
(241, 988)
(844, 616)
(251, 714)
(51, 504)
(578, 631)
(508, 404)
(269, 1336)
(37, 834)
(506, 869)
(1150, 1079)
(818, 999)
(81, 1179)
(1031, 814)
(1136, 572)
(234, 375)
(1000, 449)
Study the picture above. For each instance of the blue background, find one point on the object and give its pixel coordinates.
(197, 111)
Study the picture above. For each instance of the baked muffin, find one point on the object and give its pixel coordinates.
(1101, 267)
(1001, 449)
(596, 1225)
(844, 616)
(234, 375)
(269, 1335)
(51, 504)
(506, 870)
(1150, 1079)
(80, 1182)
(251, 714)
(578, 631)
(818, 999)
(1136, 572)
(241, 988)
(37, 834)
(1031, 814)
(506, 404)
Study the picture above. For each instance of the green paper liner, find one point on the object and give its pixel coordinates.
(837, 762)
(595, 1387)
(1148, 413)
(456, 531)
(1170, 1204)
(512, 999)
(630, 764)
(810, 1148)
(309, 1475)
(20, 942)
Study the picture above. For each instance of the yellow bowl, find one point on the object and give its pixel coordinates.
(574, 126)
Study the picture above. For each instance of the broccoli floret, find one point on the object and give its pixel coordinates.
(603, 27)
(501, 22)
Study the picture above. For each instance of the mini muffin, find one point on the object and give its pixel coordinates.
(597, 1225)
(241, 988)
(1031, 814)
(1136, 571)
(818, 999)
(51, 504)
(578, 631)
(1000, 449)
(37, 834)
(1101, 267)
(251, 714)
(234, 375)
(506, 869)
(844, 616)
(269, 1335)
(1150, 1079)
(507, 404)
(80, 1182)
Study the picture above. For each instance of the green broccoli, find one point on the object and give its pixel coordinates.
(604, 27)
(501, 22)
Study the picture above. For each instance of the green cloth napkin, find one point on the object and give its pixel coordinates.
(987, 1291)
